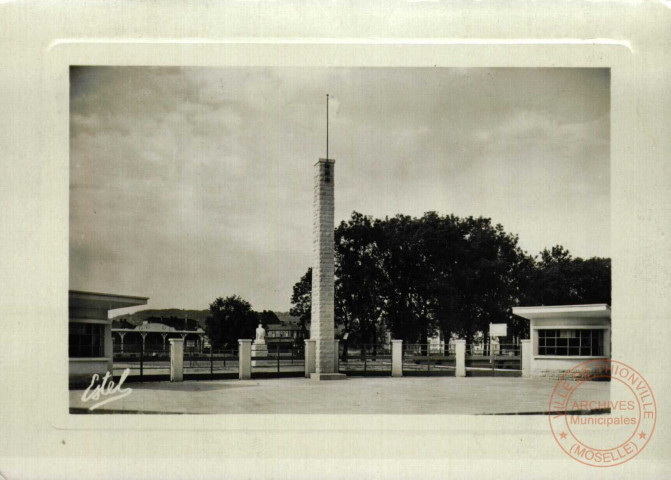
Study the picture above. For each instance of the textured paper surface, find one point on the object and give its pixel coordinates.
(40, 440)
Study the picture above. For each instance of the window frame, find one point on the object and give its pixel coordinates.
(576, 344)
(90, 344)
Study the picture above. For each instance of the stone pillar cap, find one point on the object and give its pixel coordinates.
(175, 340)
(325, 160)
(245, 340)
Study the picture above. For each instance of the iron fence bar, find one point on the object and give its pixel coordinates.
(211, 361)
(141, 361)
(278, 360)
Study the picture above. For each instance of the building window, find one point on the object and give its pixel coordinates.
(567, 342)
(86, 340)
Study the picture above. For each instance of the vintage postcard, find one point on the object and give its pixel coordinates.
(267, 253)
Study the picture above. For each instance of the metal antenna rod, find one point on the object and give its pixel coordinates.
(327, 126)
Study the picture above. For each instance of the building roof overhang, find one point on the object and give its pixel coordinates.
(106, 301)
(597, 310)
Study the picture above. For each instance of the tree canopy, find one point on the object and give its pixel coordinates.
(301, 299)
(413, 277)
(560, 279)
(230, 319)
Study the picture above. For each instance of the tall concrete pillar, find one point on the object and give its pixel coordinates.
(323, 271)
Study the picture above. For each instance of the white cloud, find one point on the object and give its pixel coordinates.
(190, 183)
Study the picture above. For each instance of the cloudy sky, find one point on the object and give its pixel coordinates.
(192, 183)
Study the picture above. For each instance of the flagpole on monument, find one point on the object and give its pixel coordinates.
(327, 126)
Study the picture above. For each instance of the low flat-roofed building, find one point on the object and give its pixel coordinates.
(564, 336)
(90, 332)
(284, 335)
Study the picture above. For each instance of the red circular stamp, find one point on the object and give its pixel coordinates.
(595, 429)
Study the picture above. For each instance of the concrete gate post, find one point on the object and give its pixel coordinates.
(397, 358)
(310, 354)
(176, 359)
(460, 353)
(245, 359)
(525, 357)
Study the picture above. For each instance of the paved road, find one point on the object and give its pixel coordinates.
(375, 395)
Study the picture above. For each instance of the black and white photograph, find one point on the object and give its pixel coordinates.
(270, 239)
(438, 238)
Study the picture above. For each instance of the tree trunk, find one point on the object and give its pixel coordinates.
(374, 341)
(424, 340)
(446, 340)
(362, 342)
(345, 343)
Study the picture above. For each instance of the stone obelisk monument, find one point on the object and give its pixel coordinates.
(323, 270)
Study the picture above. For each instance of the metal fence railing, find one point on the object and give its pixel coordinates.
(142, 361)
(152, 362)
(279, 360)
(428, 359)
(366, 359)
(493, 359)
(211, 361)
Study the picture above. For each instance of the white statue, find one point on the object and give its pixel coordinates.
(260, 334)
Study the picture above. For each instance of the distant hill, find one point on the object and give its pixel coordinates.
(286, 318)
(138, 317)
(198, 315)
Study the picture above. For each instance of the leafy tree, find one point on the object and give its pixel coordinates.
(416, 276)
(450, 274)
(301, 299)
(486, 276)
(407, 291)
(230, 319)
(267, 317)
(594, 280)
(358, 305)
(560, 279)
